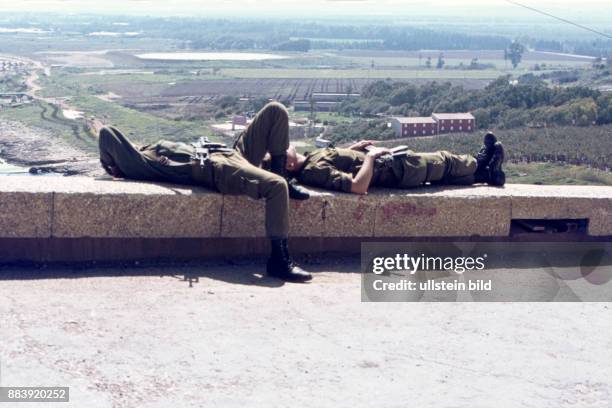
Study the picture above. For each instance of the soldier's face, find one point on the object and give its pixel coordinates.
(291, 158)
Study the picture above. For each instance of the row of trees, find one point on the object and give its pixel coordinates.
(208, 33)
(514, 53)
(503, 103)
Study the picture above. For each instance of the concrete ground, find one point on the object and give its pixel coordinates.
(142, 336)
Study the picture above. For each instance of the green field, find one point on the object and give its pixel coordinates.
(283, 73)
(322, 116)
(141, 126)
(556, 174)
(62, 84)
(45, 116)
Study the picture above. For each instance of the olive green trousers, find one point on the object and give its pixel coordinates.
(239, 173)
(440, 167)
(236, 172)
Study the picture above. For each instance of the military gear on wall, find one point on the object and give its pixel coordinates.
(386, 160)
(204, 148)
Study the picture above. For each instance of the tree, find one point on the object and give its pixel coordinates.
(598, 63)
(515, 53)
(256, 104)
(349, 89)
(302, 45)
(406, 94)
(440, 62)
(428, 62)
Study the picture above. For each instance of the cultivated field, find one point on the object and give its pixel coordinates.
(178, 100)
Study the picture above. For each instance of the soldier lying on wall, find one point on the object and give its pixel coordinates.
(355, 169)
(230, 171)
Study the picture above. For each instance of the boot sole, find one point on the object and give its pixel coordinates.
(287, 278)
(499, 152)
(290, 279)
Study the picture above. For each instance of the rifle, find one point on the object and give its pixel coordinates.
(386, 160)
(203, 148)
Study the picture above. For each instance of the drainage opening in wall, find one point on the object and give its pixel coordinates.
(550, 226)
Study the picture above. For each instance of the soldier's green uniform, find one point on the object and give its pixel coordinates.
(236, 172)
(334, 169)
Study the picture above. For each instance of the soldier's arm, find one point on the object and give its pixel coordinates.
(360, 146)
(361, 181)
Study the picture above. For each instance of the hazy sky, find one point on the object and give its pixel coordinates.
(565, 8)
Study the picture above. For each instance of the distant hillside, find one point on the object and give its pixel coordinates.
(504, 103)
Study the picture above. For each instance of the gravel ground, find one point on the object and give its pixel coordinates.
(145, 337)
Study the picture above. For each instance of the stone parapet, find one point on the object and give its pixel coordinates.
(75, 207)
(92, 210)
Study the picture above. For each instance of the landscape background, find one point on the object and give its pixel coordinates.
(62, 74)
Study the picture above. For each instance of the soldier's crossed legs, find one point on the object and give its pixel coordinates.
(235, 175)
(240, 173)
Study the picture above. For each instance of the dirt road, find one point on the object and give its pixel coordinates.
(36, 148)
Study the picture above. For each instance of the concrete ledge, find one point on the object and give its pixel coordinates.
(81, 207)
(74, 207)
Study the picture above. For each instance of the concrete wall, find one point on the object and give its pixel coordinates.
(42, 215)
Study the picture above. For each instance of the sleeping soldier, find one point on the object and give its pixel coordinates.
(355, 169)
(230, 171)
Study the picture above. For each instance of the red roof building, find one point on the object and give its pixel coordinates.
(414, 126)
(454, 122)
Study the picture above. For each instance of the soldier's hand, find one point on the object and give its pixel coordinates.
(376, 152)
(164, 160)
(361, 145)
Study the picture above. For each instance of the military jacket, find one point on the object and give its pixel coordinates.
(179, 168)
(334, 168)
(175, 151)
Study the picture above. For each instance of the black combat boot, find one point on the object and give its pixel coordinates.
(280, 265)
(489, 161)
(484, 156)
(497, 177)
(278, 165)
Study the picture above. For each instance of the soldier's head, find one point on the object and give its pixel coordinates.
(295, 161)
